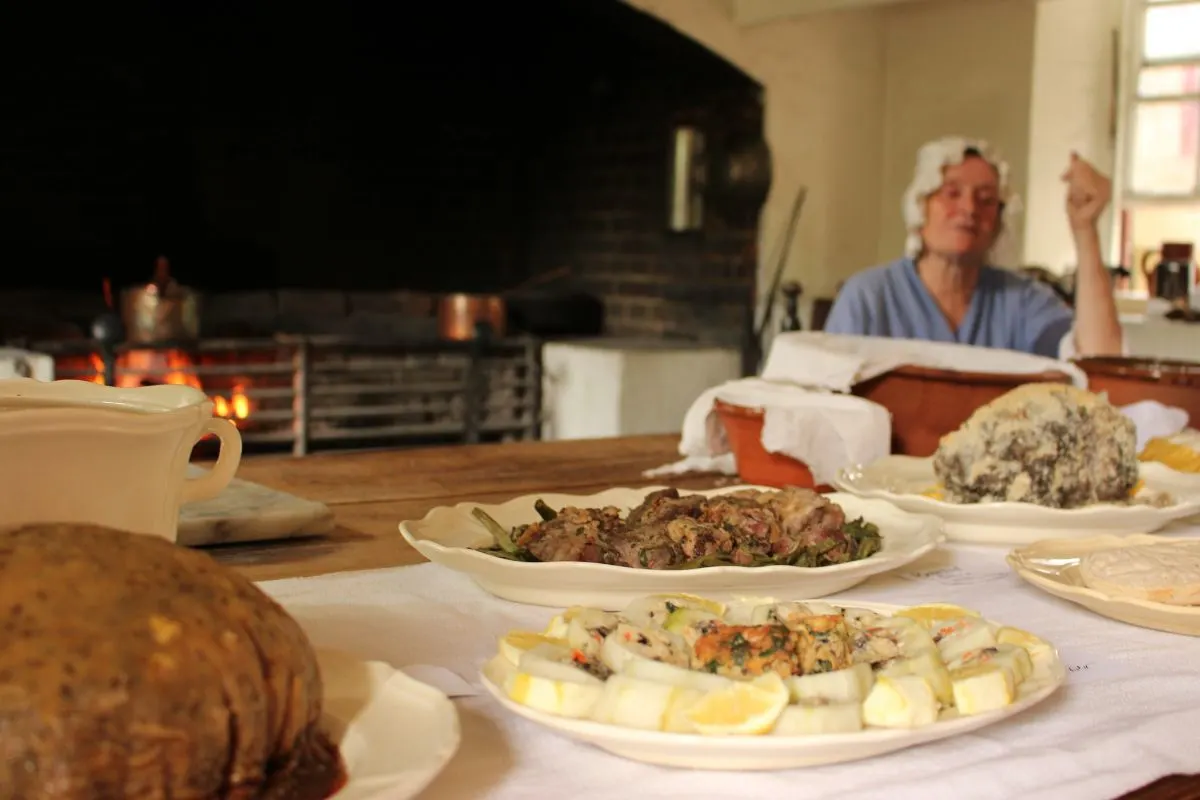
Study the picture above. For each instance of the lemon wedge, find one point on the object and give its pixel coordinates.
(931, 614)
(516, 643)
(748, 708)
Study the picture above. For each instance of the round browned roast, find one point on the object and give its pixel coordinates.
(133, 668)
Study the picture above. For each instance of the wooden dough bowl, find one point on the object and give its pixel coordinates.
(926, 404)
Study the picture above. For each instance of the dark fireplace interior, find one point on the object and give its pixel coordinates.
(335, 170)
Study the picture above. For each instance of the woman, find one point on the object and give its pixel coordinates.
(946, 290)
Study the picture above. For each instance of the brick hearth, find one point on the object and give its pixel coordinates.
(413, 153)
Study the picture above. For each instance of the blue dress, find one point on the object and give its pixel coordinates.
(1007, 311)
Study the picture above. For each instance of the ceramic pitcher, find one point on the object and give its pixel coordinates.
(73, 451)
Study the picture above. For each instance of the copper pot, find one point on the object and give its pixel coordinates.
(458, 314)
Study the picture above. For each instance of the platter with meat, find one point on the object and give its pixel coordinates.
(762, 683)
(609, 548)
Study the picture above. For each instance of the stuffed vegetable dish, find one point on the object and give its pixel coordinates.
(670, 531)
(691, 665)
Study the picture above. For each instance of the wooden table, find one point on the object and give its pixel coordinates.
(371, 492)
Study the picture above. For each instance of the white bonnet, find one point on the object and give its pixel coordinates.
(927, 178)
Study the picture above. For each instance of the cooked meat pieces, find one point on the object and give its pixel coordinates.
(799, 518)
(1049, 444)
(669, 530)
(664, 506)
(134, 668)
(698, 539)
(646, 547)
(755, 525)
(575, 534)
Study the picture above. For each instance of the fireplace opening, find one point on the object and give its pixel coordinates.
(322, 178)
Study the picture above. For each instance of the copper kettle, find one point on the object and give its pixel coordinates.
(162, 310)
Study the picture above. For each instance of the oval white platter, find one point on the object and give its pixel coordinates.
(395, 734)
(448, 535)
(900, 480)
(770, 752)
(1052, 565)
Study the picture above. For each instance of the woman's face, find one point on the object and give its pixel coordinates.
(962, 218)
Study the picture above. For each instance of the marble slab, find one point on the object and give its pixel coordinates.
(250, 512)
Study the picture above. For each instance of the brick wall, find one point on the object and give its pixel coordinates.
(601, 181)
(601, 210)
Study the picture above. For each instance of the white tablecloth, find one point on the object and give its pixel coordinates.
(1129, 713)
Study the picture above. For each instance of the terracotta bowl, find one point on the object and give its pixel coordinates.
(926, 404)
(1128, 380)
(743, 428)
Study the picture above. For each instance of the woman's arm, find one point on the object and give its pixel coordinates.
(1097, 328)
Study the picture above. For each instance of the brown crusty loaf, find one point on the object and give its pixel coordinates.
(133, 668)
(1049, 444)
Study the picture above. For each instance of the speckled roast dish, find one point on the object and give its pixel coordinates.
(134, 668)
(1043, 443)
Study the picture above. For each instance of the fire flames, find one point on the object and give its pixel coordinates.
(142, 367)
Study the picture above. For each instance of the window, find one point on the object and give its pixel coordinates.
(1163, 155)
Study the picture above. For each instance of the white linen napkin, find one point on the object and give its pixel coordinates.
(837, 362)
(825, 431)
(1126, 716)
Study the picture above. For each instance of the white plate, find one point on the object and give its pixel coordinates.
(1053, 566)
(778, 752)
(447, 535)
(901, 479)
(395, 734)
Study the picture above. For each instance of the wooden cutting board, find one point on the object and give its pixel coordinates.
(250, 512)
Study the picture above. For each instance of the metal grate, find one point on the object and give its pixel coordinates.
(315, 391)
